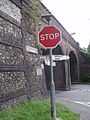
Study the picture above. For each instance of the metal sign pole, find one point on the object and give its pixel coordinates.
(52, 85)
(52, 90)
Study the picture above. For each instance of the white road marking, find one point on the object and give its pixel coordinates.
(87, 104)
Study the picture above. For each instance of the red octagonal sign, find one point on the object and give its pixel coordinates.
(49, 37)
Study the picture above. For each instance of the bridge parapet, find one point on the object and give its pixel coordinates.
(65, 34)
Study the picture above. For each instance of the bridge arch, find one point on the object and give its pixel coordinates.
(73, 67)
(58, 70)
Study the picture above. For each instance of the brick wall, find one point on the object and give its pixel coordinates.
(84, 67)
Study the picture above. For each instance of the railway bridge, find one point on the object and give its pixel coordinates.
(23, 75)
(65, 72)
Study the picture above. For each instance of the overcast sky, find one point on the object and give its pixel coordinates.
(74, 15)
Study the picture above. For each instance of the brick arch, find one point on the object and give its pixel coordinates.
(59, 70)
(73, 67)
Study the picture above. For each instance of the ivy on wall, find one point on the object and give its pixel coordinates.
(36, 16)
(32, 15)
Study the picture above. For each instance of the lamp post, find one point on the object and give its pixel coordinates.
(52, 84)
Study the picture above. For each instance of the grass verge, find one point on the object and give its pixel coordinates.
(36, 110)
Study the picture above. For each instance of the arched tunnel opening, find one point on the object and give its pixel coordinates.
(58, 70)
(73, 68)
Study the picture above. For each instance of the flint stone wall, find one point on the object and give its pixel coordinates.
(20, 71)
(12, 79)
(36, 76)
(11, 9)
(10, 33)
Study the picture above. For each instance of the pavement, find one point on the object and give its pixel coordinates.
(77, 100)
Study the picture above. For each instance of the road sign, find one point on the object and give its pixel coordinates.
(60, 57)
(56, 57)
(47, 61)
(49, 37)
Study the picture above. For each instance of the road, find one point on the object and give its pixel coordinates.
(78, 100)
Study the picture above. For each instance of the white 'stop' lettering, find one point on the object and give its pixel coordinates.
(49, 36)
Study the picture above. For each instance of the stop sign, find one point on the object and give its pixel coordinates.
(49, 37)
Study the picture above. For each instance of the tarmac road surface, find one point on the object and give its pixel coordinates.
(78, 100)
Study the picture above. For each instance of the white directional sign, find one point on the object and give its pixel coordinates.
(55, 58)
(60, 57)
(47, 61)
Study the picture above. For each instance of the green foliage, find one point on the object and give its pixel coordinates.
(85, 78)
(35, 14)
(88, 49)
(36, 110)
(65, 113)
(84, 50)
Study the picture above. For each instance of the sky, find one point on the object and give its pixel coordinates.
(74, 15)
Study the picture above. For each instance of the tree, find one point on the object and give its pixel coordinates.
(83, 49)
(88, 49)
